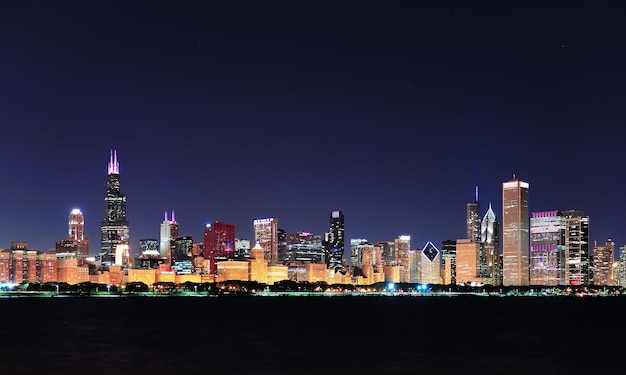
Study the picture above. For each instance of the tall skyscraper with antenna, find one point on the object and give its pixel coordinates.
(473, 219)
(169, 233)
(114, 228)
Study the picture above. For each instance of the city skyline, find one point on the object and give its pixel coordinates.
(390, 113)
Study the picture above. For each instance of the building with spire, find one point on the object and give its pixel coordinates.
(490, 240)
(169, 232)
(114, 228)
(473, 219)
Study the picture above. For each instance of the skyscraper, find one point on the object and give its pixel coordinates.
(579, 270)
(603, 263)
(334, 241)
(515, 233)
(490, 250)
(448, 260)
(169, 232)
(114, 228)
(219, 243)
(76, 233)
(266, 234)
(547, 248)
(430, 264)
(473, 219)
(403, 249)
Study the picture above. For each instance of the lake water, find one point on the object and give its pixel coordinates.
(311, 335)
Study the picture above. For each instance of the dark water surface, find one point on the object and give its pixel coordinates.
(311, 335)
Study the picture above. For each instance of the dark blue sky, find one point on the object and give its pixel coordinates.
(389, 111)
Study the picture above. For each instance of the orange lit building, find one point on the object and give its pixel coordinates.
(146, 276)
(277, 273)
(392, 274)
(5, 266)
(100, 278)
(603, 263)
(67, 268)
(403, 251)
(184, 278)
(82, 271)
(233, 270)
(46, 268)
(258, 264)
(314, 272)
(467, 258)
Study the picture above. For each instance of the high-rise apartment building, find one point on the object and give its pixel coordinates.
(266, 234)
(547, 248)
(515, 233)
(169, 232)
(114, 228)
(219, 243)
(334, 241)
(578, 268)
(603, 263)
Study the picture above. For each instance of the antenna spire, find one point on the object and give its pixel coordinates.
(114, 166)
(476, 199)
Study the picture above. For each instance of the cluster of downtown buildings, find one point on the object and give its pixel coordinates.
(548, 248)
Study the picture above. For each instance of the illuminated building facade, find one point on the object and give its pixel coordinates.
(622, 266)
(76, 233)
(46, 268)
(490, 248)
(67, 268)
(168, 233)
(515, 233)
(357, 248)
(334, 241)
(473, 219)
(242, 248)
(448, 260)
(388, 253)
(467, 261)
(257, 264)
(403, 250)
(219, 243)
(266, 233)
(578, 270)
(114, 228)
(182, 249)
(603, 263)
(430, 264)
(149, 246)
(302, 248)
(547, 248)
